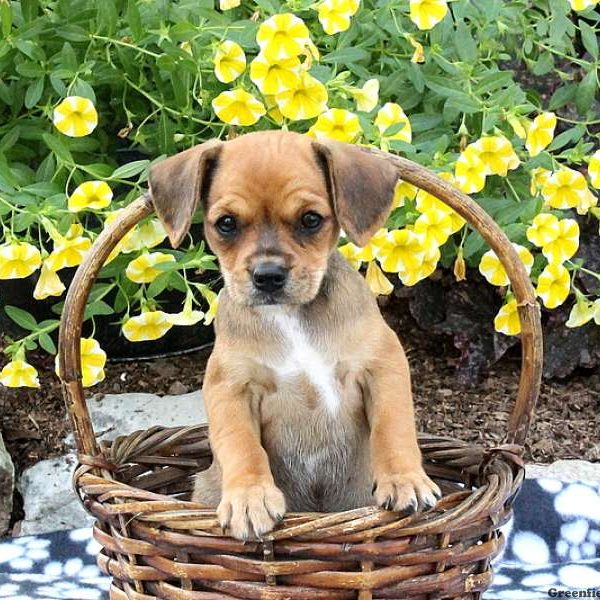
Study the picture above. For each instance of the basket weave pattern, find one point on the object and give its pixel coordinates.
(157, 544)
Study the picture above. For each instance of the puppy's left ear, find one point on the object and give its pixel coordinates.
(361, 186)
(178, 184)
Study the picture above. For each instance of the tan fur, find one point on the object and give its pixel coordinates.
(282, 438)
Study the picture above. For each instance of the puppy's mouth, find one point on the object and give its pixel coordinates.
(258, 298)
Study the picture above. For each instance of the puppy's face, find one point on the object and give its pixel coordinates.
(270, 220)
(274, 203)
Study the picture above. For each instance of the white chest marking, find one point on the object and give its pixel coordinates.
(301, 356)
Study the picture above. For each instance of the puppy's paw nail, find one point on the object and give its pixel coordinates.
(413, 506)
(374, 487)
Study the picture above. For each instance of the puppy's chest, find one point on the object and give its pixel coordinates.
(303, 367)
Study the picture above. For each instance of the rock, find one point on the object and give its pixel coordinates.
(7, 486)
(565, 470)
(178, 388)
(48, 500)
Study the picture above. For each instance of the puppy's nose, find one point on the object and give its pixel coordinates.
(269, 277)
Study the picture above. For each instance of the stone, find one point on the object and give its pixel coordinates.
(7, 486)
(565, 470)
(49, 502)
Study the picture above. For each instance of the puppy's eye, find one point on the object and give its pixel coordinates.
(311, 221)
(226, 225)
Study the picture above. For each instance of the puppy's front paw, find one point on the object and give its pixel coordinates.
(406, 492)
(247, 511)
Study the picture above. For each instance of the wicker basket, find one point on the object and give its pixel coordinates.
(157, 544)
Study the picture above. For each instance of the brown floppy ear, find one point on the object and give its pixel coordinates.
(178, 183)
(361, 186)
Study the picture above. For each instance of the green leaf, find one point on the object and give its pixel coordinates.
(58, 146)
(130, 169)
(47, 343)
(34, 93)
(165, 134)
(6, 18)
(474, 244)
(586, 92)
(98, 308)
(466, 47)
(563, 95)
(589, 37)
(544, 64)
(570, 136)
(10, 139)
(345, 55)
(134, 20)
(21, 317)
(29, 9)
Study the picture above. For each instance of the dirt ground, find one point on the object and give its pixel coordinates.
(566, 424)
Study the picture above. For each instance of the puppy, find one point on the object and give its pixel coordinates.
(307, 389)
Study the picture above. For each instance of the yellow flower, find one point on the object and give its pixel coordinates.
(460, 267)
(539, 176)
(565, 244)
(587, 201)
(427, 266)
(18, 373)
(553, 285)
(229, 61)
(282, 36)
(470, 172)
(391, 115)
(188, 316)
(434, 225)
(68, 250)
(338, 124)
(146, 235)
(583, 312)
(150, 325)
(594, 169)
(48, 284)
(91, 195)
(543, 229)
(93, 359)
(75, 116)
(238, 107)
(367, 96)
(418, 56)
(273, 110)
(491, 267)
(496, 153)
(213, 305)
(141, 269)
(18, 260)
(540, 133)
(334, 15)
(402, 250)
(582, 4)
(517, 125)
(273, 77)
(426, 14)
(565, 188)
(352, 254)
(306, 101)
(402, 192)
(229, 4)
(425, 201)
(378, 283)
(507, 320)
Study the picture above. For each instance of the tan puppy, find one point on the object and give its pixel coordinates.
(307, 390)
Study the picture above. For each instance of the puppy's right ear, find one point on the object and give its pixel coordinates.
(179, 183)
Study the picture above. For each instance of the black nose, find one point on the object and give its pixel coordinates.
(269, 277)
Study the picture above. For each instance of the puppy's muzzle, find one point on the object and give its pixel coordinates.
(269, 277)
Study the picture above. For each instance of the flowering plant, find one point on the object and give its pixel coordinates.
(431, 79)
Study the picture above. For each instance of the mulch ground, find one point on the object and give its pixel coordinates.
(567, 421)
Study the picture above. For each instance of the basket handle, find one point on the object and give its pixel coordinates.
(529, 312)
